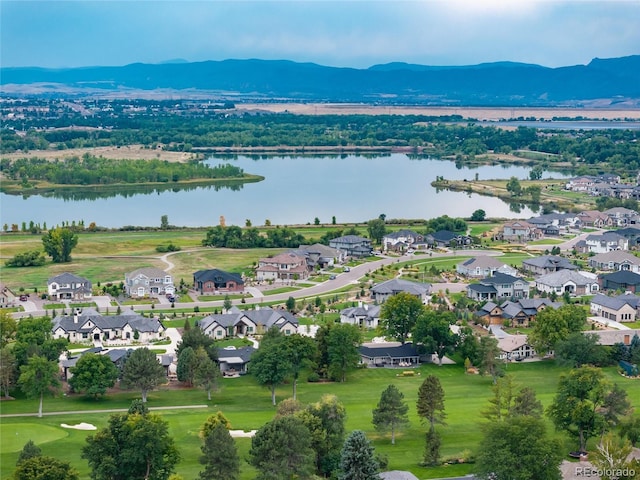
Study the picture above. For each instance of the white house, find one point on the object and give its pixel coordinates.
(363, 315)
(248, 322)
(148, 282)
(68, 286)
(483, 266)
(575, 283)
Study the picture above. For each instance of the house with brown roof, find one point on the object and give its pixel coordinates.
(595, 218)
(285, 266)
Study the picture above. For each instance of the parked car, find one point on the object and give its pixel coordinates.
(346, 269)
(24, 298)
(332, 277)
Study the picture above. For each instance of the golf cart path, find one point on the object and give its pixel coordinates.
(109, 410)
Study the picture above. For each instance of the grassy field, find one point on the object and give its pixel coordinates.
(466, 396)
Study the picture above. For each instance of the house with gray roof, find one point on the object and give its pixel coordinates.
(389, 354)
(602, 243)
(217, 281)
(87, 325)
(483, 266)
(498, 286)
(518, 313)
(248, 322)
(622, 216)
(403, 240)
(547, 264)
(364, 315)
(620, 308)
(234, 360)
(319, 255)
(382, 291)
(621, 280)
(573, 282)
(68, 286)
(447, 238)
(615, 260)
(352, 245)
(148, 282)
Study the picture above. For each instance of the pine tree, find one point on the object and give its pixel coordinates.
(357, 461)
(29, 450)
(391, 412)
(430, 407)
(219, 455)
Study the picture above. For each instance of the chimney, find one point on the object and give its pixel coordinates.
(75, 316)
(360, 304)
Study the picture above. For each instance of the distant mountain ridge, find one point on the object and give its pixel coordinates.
(499, 83)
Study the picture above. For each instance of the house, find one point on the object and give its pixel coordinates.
(483, 266)
(389, 354)
(68, 286)
(382, 291)
(517, 313)
(497, 286)
(319, 255)
(148, 282)
(568, 281)
(234, 360)
(558, 219)
(622, 216)
(352, 245)
(403, 240)
(594, 218)
(116, 355)
(580, 184)
(546, 264)
(520, 231)
(622, 308)
(248, 322)
(7, 297)
(87, 325)
(612, 337)
(363, 315)
(602, 243)
(446, 239)
(515, 347)
(632, 233)
(217, 281)
(615, 260)
(285, 266)
(623, 281)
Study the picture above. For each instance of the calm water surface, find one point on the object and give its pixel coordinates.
(296, 190)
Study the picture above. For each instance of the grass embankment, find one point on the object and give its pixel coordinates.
(552, 192)
(465, 397)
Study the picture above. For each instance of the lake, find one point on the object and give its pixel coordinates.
(296, 189)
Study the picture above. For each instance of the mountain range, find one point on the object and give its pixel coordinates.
(500, 83)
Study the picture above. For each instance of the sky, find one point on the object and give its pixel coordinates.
(357, 33)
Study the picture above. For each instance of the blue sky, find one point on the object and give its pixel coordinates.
(355, 33)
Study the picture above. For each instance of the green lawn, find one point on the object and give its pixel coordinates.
(466, 396)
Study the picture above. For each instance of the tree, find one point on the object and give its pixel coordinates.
(269, 366)
(399, 315)
(206, 373)
(430, 404)
(579, 405)
(299, 351)
(8, 370)
(536, 172)
(29, 450)
(219, 455)
(478, 215)
(227, 304)
(282, 449)
(514, 187)
(553, 325)
(526, 403)
(93, 374)
(291, 304)
(39, 377)
(45, 468)
(630, 428)
(326, 423)
(316, 221)
(213, 421)
(518, 448)
(142, 371)
(8, 328)
(342, 350)
(34, 337)
(187, 363)
(132, 446)
(164, 222)
(391, 412)
(433, 335)
(488, 352)
(58, 243)
(196, 338)
(612, 459)
(357, 461)
(376, 229)
(579, 349)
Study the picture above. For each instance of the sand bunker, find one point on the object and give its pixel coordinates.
(80, 426)
(242, 433)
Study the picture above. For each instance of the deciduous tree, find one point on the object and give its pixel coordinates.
(143, 371)
(58, 243)
(93, 374)
(38, 378)
(206, 373)
(8, 370)
(270, 367)
(432, 333)
(399, 315)
(358, 461)
(488, 353)
(342, 350)
(45, 468)
(299, 351)
(554, 325)
(391, 412)
(376, 229)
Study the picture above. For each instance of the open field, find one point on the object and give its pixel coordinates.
(131, 152)
(480, 113)
(465, 397)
